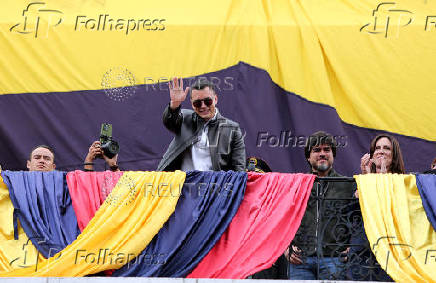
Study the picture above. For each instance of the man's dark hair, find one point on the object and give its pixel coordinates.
(43, 146)
(202, 83)
(397, 165)
(317, 139)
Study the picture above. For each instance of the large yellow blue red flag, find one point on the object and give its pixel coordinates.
(352, 68)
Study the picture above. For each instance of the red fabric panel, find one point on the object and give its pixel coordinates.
(88, 191)
(263, 227)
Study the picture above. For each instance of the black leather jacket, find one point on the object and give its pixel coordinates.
(226, 143)
(334, 204)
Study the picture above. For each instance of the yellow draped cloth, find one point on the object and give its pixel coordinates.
(134, 212)
(401, 237)
(317, 49)
(13, 253)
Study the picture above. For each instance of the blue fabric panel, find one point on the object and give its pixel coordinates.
(43, 205)
(206, 207)
(426, 184)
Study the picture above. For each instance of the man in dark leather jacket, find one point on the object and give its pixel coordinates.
(204, 139)
(323, 214)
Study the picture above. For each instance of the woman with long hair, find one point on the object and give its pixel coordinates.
(384, 156)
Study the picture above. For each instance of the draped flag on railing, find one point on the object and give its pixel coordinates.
(199, 224)
(88, 191)
(426, 184)
(14, 253)
(265, 224)
(156, 224)
(43, 206)
(121, 228)
(401, 237)
(206, 207)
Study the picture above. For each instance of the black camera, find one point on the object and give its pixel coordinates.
(108, 145)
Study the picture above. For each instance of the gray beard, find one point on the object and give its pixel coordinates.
(322, 167)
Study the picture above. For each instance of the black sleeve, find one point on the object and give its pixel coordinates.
(172, 119)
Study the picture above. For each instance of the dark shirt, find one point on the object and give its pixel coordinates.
(333, 204)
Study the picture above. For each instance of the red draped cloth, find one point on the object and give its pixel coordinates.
(263, 227)
(88, 191)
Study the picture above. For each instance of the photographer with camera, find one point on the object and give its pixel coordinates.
(106, 148)
(94, 152)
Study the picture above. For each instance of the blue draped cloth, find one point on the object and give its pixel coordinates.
(43, 205)
(426, 184)
(207, 205)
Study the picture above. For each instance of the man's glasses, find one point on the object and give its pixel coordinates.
(207, 101)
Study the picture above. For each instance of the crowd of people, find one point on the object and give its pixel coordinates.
(206, 140)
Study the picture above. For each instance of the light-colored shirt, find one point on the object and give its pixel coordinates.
(197, 157)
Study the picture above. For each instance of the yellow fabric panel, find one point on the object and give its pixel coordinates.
(400, 235)
(13, 253)
(310, 47)
(123, 226)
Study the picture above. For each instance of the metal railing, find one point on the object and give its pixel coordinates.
(339, 249)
